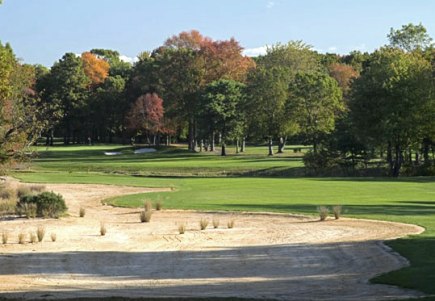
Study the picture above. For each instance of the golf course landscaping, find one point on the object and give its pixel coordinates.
(251, 186)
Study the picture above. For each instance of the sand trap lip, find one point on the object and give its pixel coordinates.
(145, 150)
(264, 256)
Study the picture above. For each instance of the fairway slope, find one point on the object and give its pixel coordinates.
(263, 256)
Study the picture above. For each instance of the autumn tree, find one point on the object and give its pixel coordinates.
(146, 116)
(95, 69)
(117, 65)
(344, 75)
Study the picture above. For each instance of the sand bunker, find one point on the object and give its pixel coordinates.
(264, 256)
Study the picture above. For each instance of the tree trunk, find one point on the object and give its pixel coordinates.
(212, 140)
(243, 146)
(223, 149)
(426, 147)
(281, 144)
(398, 157)
(237, 146)
(390, 155)
(191, 138)
(417, 158)
(201, 145)
(270, 144)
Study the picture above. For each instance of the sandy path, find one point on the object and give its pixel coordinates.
(264, 256)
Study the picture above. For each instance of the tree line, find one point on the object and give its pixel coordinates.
(351, 108)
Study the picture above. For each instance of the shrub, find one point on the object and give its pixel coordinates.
(148, 206)
(53, 237)
(215, 223)
(231, 223)
(182, 228)
(21, 238)
(40, 232)
(48, 204)
(337, 210)
(29, 210)
(82, 212)
(203, 223)
(103, 229)
(5, 237)
(159, 205)
(323, 212)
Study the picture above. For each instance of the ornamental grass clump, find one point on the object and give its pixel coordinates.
(145, 216)
(103, 229)
(231, 223)
(323, 212)
(337, 210)
(53, 237)
(182, 228)
(159, 205)
(21, 238)
(215, 223)
(40, 232)
(32, 237)
(82, 212)
(203, 223)
(5, 237)
(148, 206)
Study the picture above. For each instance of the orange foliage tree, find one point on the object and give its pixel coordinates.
(343, 74)
(96, 69)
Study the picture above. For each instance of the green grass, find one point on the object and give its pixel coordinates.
(408, 200)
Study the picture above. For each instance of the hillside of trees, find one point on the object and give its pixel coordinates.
(353, 109)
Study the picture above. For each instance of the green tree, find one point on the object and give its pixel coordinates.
(221, 100)
(117, 66)
(392, 102)
(67, 90)
(314, 102)
(410, 37)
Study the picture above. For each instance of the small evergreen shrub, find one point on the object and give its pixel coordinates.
(48, 204)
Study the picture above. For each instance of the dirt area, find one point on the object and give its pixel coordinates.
(263, 256)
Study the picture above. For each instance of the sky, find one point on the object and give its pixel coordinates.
(41, 31)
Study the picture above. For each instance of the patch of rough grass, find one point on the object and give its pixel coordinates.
(103, 229)
(203, 223)
(5, 237)
(53, 237)
(337, 210)
(215, 223)
(148, 206)
(40, 232)
(23, 190)
(145, 216)
(82, 212)
(33, 238)
(7, 193)
(21, 238)
(323, 212)
(7, 206)
(29, 210)
(37, 188)
(182, 228)
(231, 223)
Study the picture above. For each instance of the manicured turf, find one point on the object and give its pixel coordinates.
(409, 200)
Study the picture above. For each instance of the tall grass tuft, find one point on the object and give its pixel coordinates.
(145, 216)
(103, 229)
(32, 237)
(40, 232)
(231, 223)
(82, 212)
(37, 188)
(148, 206)
(215, 223)
(7, 193)
(182, 228)
(7, 206)
(159, 205)
(5, 237)
(337, 210)
(53, 237)
(29, 210)
(323, 212)
(21, 238)
(23, 190)
(203, 223)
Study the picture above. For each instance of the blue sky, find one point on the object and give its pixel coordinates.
(41, 31)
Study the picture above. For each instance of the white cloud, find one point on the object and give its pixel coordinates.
(255, 51)
(332, 49)
(270, 4)
(360, 47)
(128, 59)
